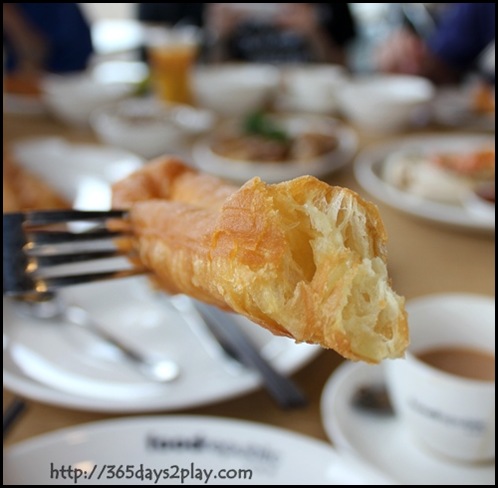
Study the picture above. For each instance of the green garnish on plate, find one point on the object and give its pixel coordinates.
(260, 124)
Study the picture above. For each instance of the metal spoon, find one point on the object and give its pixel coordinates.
(373, 399)
(48, 306)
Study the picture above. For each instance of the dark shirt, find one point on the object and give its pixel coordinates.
(463, 34)
(66, 31)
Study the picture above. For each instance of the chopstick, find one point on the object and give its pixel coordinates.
(12, 414)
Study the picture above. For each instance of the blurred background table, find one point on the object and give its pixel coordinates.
(423, 258)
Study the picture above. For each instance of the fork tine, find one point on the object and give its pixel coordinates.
(56, 216)
(15, 261)
(58, 237)
(53, 282)
(35, 243)
(69, 258)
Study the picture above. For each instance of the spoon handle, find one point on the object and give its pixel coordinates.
(156, 369)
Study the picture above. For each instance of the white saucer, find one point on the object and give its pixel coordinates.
(382, 441)
(182, 450)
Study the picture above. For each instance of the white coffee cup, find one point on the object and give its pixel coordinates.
(447, 413)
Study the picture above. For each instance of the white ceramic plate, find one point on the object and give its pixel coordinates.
(241, 171)
(368, 166)
(182, 450)
(59, 363)
(383, 441)
(451, 107)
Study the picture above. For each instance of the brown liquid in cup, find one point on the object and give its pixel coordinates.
(460, 361)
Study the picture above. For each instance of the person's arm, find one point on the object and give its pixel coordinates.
(449, 53)
(405, 53)
(29, 48)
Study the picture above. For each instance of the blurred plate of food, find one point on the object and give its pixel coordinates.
(433, 177)
(182, 449)
(470, 106)
(276, 147)
(22, 95)
(79, 173)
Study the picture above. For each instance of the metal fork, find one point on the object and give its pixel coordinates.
(34, 242)
(37, 243)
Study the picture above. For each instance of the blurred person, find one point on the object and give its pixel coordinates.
(45, 37)
(281, 33)
(268, 33)
(462, 43)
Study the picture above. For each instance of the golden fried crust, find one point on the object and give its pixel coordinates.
(300, 258)
(168, 178)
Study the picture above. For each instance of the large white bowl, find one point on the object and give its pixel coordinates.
(72, 98)
(234, 89)
(147, 126)
(385, 103)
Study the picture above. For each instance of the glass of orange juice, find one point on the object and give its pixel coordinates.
(171, 54)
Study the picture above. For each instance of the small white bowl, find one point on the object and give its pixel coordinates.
(312, 88)
(234, 89)
(385, 103)
(147, 126)
(72, 98)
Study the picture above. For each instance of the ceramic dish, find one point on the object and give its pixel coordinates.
(369, 166)
(182, 450)
(272, 172)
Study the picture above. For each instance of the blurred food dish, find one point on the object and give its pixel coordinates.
(22, 95)
(385, 103)
(24, 190)
(234, 89)
(79, 173)
(149, 127)
(276, 147)
(431, 176)
(470, 107)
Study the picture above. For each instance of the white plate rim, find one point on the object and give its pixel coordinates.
(241, 171)
(193, 424)
(226, 385)
(451, 107)
(436, 212)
